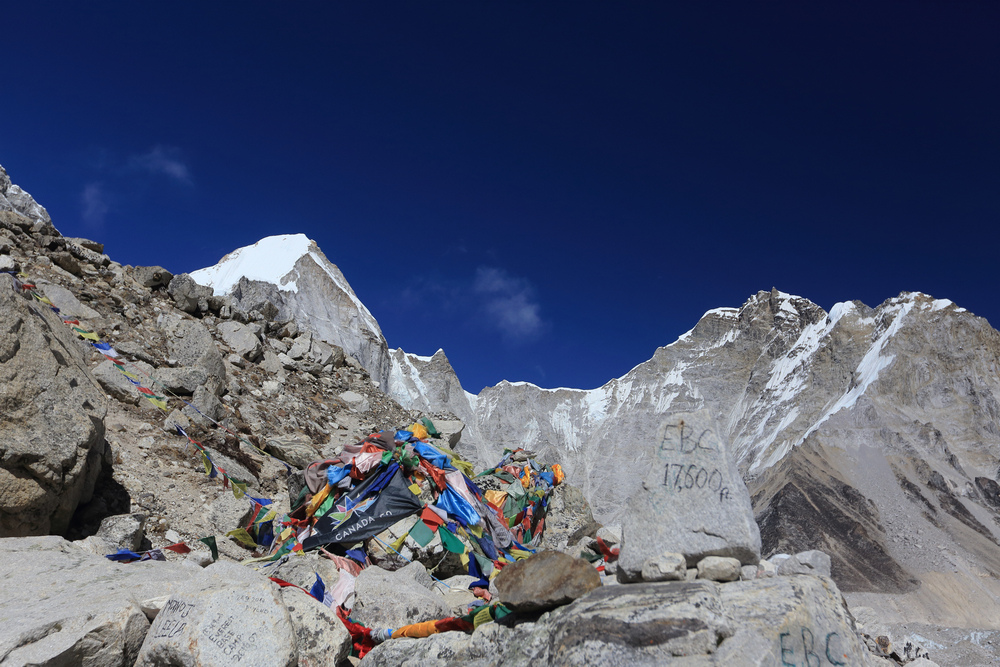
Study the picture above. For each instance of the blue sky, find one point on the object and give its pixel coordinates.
(548, 191)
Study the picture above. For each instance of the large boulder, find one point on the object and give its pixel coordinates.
(320, 636)
(67, 303)
(241, 339)
(53, 410)
(693, 501)
(60, 605)
(547, 579)
(241, 621)
(189, 295)
(189, 343)
(152, 276)
(390, 599)
(568, 519)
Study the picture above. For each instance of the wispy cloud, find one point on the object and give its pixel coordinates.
(94, 205)
(509, 303)
(164, 160)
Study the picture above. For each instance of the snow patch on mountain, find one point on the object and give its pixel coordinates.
(269, 260)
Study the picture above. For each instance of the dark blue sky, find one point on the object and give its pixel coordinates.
(548, 191)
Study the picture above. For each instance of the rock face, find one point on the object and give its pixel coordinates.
(53, 426)
(693, 501)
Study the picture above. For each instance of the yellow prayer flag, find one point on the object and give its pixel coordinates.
(465, 560)
(239, 489)
(158, 402)
(89, 335)
(398, 544)
(415, 488)
(243, 537)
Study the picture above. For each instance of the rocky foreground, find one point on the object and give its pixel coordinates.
(91, 466)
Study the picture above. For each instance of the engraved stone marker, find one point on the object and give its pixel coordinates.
(692, 500)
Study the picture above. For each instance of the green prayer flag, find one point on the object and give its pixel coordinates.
(421, 534)
(429, 425)
(450, 542)
(485, 565)
(210, 543)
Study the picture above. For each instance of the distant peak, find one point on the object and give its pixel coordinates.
(268, 260)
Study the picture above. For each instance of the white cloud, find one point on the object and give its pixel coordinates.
(508, 302)
(163, 160)
(93, 204)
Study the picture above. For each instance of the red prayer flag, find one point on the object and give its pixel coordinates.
(431, 518)
(180, 548)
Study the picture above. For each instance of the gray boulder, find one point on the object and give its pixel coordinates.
(665, 567)
(320, 636)
(115, 383)
(389, 600)
(355, 401)
(189, 295)
(241, 339)
(60, 605)
(151, 276)
(719, 568)
(123, 531)
(295, 449)
(792, 620)
(204, 407)
(569, 518)
(183, 380)
(67, 303)
(806, 562)
(693, 501)
(227, 513)
(547, 579)
(189, 343)
(53, 426)
(243, 623)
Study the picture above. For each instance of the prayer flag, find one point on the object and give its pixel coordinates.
(421, 534)
(179, 548)
(450, 541)
(210, 543)
(243, 537)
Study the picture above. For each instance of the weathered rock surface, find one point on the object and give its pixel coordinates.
(693, 501)
(243, 623)
(61, 605)
(241, 339)
(665, 567)
(319, 635)
(798, 620)
(569, 519)
(719, 568)
(191, 344)
(389, 600)
(53, 426)
(807, 562)
(189, 295)
(547, 579)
